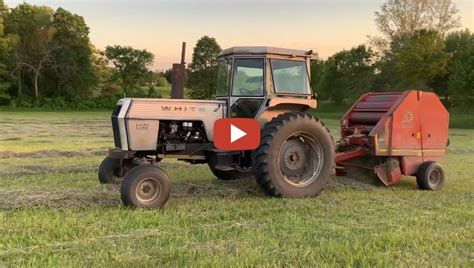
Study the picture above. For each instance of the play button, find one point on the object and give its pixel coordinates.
(236, 134)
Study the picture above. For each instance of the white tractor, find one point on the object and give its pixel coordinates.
(296, 155)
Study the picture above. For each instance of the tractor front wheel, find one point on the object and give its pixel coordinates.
(112, 171)
(146, 186)
(430, 176)
(296, 156)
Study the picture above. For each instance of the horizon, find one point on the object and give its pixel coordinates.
(161, 26)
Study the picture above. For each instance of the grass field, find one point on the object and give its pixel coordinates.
(53, 212)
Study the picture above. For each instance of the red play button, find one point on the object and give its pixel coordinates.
(236, 134)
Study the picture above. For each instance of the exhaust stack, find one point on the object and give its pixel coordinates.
(178, 76)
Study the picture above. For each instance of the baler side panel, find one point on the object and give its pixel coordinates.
(379, 137)
(410, 164)
(434, 129)
(406, 129)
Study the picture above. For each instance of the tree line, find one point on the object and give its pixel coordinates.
(47, 60)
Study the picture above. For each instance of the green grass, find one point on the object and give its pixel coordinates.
(53, 212)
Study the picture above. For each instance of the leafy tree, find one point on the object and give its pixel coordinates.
(456, 44)
(317, 71)
(131, 65)
(460, 78)
(3, 14)
(33, 51)
(405, 17)
(203, 69)
(347, 74)
(167, 75)
(401, 19)
(73, 70)
(104, 72)
(4, 55)
(418, 59)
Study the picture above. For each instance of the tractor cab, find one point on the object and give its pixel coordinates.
(252, 80)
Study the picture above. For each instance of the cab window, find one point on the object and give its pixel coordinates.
(290, 76)
(248, 77)
(223, 71)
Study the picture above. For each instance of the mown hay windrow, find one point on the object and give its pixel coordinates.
(58, 198)
(45, 169)
(52, 153)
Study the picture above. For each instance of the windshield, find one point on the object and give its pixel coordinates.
(290, 76)
(223, 79)
(248, 77)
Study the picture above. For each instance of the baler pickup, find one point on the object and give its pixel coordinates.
(406, 132)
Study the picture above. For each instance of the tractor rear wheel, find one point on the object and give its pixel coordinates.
(430, 176)
(229, 175)
(296, 156)
(111, 171)
(146, 186)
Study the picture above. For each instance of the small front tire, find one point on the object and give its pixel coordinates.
(109, 171)
(146, 186)
(430, 176)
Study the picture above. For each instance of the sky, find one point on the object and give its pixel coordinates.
(160, 26)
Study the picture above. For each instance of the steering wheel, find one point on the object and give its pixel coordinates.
(248, 92)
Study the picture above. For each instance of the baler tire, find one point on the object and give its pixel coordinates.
(430, 176)
(293, 127)
(108, 171)
(229, 175)
(143, 181)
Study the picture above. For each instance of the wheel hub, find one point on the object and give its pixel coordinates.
(294, 157)
(434, 177)
(148, 190)
(300, 160)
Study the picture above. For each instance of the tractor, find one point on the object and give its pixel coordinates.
(296, 155)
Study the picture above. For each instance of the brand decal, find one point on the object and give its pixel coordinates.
(142, 126)
(171, 108)
(407, 120)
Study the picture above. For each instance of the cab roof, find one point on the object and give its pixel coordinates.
(262, 50)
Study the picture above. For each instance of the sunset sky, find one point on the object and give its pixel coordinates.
(325, 26)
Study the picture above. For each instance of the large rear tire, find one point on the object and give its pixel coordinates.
(146, 186)
(296, 156)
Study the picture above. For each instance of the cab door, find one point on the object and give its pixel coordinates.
(247, 87)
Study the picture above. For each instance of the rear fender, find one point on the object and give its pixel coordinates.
(276, 106)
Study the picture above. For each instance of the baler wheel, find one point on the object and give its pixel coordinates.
(146, 186)
(110, 169)
(430, 176)
(296, 156)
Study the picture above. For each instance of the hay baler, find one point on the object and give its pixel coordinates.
(395, 134)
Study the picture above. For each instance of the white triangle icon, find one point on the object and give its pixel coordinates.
(236, 133)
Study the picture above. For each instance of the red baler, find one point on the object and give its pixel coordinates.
(405, 132)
